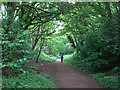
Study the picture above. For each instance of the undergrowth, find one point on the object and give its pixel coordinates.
(28, 81)
(46, 58)
(68, 58)
(109, 79)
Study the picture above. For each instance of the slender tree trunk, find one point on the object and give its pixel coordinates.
(39, 53)
(12, 6)
(107, 7)
(77, 46)
(41, 45)
(36, 39)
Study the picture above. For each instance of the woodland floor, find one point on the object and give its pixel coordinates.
(66, 76)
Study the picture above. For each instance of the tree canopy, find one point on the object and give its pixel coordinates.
(90, 29)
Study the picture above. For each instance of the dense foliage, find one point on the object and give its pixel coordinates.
(90, 33)
(16, 46)
(58, 46)
(95, 35)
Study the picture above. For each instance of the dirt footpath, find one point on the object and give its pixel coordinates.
(67, 76)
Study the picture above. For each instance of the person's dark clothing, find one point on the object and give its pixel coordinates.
(61, 59)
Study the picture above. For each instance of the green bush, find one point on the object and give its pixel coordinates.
(114, 71)
(16, 43)
(16, 46)
(109, 82)
(68, 49)
(68, 58)
(28, 81)
(46, 58)
(97, 75)
(99, 50)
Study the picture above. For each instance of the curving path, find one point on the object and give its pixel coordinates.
(67, 76)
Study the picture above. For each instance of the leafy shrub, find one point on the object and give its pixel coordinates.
(96, 53)
(46, 58)
(114, 71)
(68, 58)
(97, 75)
(28, 81)
(16, 42)
(98, 46)
(16, 46)
(17, 66)
(68, 49)
(109, 82)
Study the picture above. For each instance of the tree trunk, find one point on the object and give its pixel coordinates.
(77, 46)
(42, 43)
(12, 6)
(36, 39)
(107, 7)
(39, 53)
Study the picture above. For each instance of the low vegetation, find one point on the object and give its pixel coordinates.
(108, 79)
(28, 78)
(28, 81)
(47, 58)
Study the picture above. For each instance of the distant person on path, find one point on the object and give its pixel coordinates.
(61, 58)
